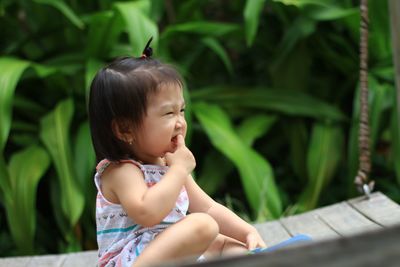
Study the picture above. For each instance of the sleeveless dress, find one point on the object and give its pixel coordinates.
(119, 238)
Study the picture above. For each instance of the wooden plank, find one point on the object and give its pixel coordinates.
(373, 248)
(81, 259)
(345, 220)
(47, 261)
(15, 261)
(308, 223)
(379, 208)
(272, 232)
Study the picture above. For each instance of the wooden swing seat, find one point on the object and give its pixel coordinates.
(356, 232)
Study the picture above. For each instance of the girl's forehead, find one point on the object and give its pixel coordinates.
(169, 91)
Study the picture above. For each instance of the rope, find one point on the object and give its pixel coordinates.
(361, 179)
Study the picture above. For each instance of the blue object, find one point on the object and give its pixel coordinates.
(297, 239)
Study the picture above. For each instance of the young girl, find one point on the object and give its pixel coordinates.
(144, 182)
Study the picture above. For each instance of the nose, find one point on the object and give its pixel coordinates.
(180, 122)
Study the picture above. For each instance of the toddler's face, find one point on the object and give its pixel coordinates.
(165, 120)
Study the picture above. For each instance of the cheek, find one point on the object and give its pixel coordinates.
(185, 129)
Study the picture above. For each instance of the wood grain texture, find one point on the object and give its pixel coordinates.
(379, 208)
(310, 224)
(272, 232)
(345, 220)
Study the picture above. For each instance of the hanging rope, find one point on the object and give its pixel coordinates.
(364, 169)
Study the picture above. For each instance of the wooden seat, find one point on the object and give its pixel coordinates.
(357, 232)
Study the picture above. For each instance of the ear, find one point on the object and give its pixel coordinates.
(122, 130)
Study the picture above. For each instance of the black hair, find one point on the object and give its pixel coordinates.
(119, 93)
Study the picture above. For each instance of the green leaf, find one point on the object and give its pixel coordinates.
(324, 153)
(54, 134)
(287, 102)
(255, 127)
(11, 71)
(332, 12)
(206, 28)
(65, 10)
(104, 30)
(5, 183)
(214, 45)
(379, 31)
(301, 28)
(138, 24)
(301, 3)
(214, 171)
(26, 168)
(92, 66)
(216, 167)
(395, 134)
(297, 135)
(84, 156)
(251, 15)
(255, 172)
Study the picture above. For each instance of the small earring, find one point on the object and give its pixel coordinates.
(130, 142)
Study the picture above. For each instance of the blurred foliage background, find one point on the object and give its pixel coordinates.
(273, 113)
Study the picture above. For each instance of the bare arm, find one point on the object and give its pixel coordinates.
(148, 206)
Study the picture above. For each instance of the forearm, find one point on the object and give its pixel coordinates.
(160, 199)
(229, 223)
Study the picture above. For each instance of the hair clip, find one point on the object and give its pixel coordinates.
(147, 51)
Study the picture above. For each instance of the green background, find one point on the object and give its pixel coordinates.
(272, 87)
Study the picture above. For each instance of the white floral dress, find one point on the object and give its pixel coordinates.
(119, 238)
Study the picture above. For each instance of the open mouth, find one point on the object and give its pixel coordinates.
(174, 140)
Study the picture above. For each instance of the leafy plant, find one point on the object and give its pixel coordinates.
(271, 88)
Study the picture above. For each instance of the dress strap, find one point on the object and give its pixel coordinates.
(102, 165)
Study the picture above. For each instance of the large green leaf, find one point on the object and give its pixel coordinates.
(55, 128)
(324, 153)
(214, 45)
(104, 30)
(138, 24)
(251, 15)
(291, 103)
(26, 168)
(395, 134)
(297, 135)
(11, 71)
(65, 10)
(92, 66)
(216, 167)
(84, 156)
(330, 12)
(379, 34)
(255, 172)
(301, 28)
(207, 28)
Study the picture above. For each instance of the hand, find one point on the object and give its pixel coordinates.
(254, 240)
(182, 156)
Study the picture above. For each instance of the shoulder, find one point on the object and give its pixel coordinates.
(118, 170)
(120, 176)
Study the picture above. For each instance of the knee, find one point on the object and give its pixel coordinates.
(204, 226)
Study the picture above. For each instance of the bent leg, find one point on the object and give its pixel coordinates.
(190, 236)
(224, 246)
